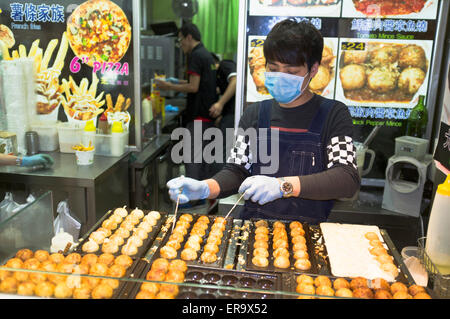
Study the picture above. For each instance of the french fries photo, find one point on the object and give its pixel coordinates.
(117, 111)
(80, 101)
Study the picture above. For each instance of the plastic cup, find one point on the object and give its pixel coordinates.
(85, 157)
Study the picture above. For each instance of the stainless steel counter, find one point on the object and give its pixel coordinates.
(90, 190)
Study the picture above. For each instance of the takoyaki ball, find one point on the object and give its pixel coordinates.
(20, 276)
(280, 243)
(302, 264)
(412, 56)
(299, 246)
(279, 224)
(402, 295)
(160, 264)
(198, 231)
(376, 251)
(325, 291)
(358, 282)
(122, 232)
(137, 213)
(82, 292)
(156, 215)
(301, 254)
(298, 239)
(322, 281)
(106, 259)
(261, 223)
(73, 258)
(261, 236)
(151, 287)
(363, 292)
(415, 289)
(81, 269)
(340, 283)
(193, 245)
(422, 295)
(282, 262)
(355, 56)
(145, 226)
(295, 224)
(262, 230)
(260, 261)
(98, 269)
(97, 237)
(156, 275)
(44, 289)
(15, 263)
(132, 219)
(122, 212)
(411, 79)
(102, 291)
(208, 257)
(113, 283)
(353, 76)
(189, 254)
(398, 286)
(278, 236)
(212, 248)
(116, 239)
(168, 252)
(390, 269)
(304, 288)
(179, 230)
(382, 80)
(214, 240)
(344, 292)
(174, 244)
(151, 220)
(304, 279)
(41, 255)
(56, 258)
(141, 233)
(321, 79)
(384, 258)
(260, 244)
(116, 271)
(297, 232)
(9, 285)
(26, 288)
(108, 224)
(281, 252)
(145, 295)
(110, 247)
(135, 241)
(382, 294)
(127, 225)
(123, 260)
(89, 259)
(218, 227)
(380, 283)
(196, 238)
(218, 233)
(371, 236)
(106, 231)
(4, 274)
(220, 220)
(62, 291)
(186, 217)
(31, 264)
(202, 225)
(167, 292)
(24, 254)
(115, 219)
(203, 219)
(178, 265)
(90, 246)
(261, 252)
(384, 55)
(376, 243)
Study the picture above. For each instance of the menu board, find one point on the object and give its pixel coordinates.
(378, 58)
(83, 56)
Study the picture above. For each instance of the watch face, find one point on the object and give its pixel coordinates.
(287, 187)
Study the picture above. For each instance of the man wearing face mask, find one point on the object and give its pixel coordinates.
(317, 158)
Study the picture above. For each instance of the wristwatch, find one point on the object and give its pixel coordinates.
(18, 161)
(286, 188)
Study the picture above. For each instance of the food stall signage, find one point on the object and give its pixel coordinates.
(37, 13)
(389, 25)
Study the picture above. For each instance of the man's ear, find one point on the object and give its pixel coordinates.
(314, 70)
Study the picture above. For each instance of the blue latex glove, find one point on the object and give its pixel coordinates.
(191, 189)
(261, 189)
(173, 80)
(36, 160)
(171, 108)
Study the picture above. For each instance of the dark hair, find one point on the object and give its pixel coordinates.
(190, 28)
(295, 43)
(215, 57)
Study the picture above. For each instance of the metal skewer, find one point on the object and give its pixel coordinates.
(176, 207)
(235, 204)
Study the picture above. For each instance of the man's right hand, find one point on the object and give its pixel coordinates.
(187, 189)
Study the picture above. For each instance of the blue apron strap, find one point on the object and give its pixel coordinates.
(319, 120)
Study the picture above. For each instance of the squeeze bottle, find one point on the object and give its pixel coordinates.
(89, 133)
(117, 141)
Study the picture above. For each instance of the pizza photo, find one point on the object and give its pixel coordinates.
(99, 30)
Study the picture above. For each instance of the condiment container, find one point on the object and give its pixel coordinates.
(117, 145)
(89, 133)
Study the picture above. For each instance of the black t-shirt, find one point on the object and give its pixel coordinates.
(201, 63)
(226, 70)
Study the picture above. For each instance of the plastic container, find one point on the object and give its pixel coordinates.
(438, 234)
(69, 135)
(60, 241)
(48, 136)
(410, 251)
(117, 145)
(147, 112)
(85, 157)
(103, 145)
(89, 133)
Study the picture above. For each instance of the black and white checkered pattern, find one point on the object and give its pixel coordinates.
(240, 154)
(341, 151)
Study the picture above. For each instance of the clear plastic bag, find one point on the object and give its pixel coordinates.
(8, 207)
(65, 222)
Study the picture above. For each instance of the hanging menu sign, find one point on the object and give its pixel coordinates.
(83, 57)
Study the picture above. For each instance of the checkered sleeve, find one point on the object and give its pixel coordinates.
(341, 151)
(240, 153)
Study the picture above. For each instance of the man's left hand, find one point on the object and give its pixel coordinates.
(215, 110)
(261, 189)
